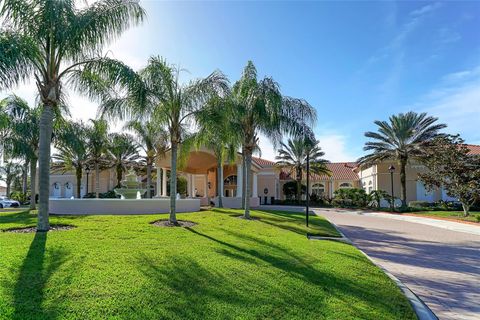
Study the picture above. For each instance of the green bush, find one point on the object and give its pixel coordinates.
(420, 204)
(19, 196)
(352, 197)
(477, 217)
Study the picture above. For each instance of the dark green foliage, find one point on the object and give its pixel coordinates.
(290, 189)
(351, 197)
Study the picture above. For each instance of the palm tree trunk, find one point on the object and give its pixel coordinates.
(33, 182)
(219, 182)
(244, 179)
(46, 128)
(9, 183)
(119, 175)
(79, 181)
(173, 184)
(403, 182)
(248, 191)
(97, 180)
(24, 176)
(149, 179)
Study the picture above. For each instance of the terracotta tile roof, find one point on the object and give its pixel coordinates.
(339, 171)
(474, 149)
(263, 162)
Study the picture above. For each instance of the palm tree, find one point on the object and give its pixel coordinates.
(260, 108)
(122, 152)
(9, 172)
(404, 137)
(72, 151)
(23, 138)
(217, 133)
(157, 94)
(153, 139)
(58, 44)
(97, 148)
(293, 157)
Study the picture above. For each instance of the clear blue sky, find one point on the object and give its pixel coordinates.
(353, 61)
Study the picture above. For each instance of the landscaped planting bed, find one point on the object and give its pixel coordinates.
(124, 267)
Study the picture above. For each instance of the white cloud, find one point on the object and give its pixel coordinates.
(456, 102)
(335, 148)
(333, 144)
(426, 9)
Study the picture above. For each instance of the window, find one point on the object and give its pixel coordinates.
(346, 185)
(318, 189)
(230, 181)
(370, 187)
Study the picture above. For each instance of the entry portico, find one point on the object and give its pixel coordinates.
(201, 173)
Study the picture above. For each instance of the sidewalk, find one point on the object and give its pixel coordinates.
(444, 224)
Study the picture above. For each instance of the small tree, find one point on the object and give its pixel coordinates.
(376, 196)
(452, 167)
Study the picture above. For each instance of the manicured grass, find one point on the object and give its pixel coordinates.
(458, 215)
(122, 267)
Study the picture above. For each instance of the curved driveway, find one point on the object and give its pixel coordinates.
(441, 266)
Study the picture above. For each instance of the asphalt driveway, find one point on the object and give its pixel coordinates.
(441, 266)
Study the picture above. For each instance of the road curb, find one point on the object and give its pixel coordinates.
(422, 311)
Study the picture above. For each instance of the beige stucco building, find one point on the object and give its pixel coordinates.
(266, 183)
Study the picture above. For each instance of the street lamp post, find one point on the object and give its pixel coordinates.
(391, 169)
(87, 171)
(307, 203)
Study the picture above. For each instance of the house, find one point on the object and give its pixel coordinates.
(3, 191)
(378, 177)
(266, 184)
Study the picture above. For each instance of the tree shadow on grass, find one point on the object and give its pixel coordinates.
(260, 252)
(33, 275)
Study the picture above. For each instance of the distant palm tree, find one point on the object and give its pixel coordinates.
(58, 44)
(404, 137)
(23, 136)
(8, 173)
(217, 133)
(156, 93)
(293, 157)
(72, 151)
(260, 108)
(153, 139)
(122, 152)
(97, 148)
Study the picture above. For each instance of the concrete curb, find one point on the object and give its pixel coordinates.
(422, 311)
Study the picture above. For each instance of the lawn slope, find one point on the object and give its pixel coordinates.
(123, 267)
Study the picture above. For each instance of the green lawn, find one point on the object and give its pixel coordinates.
(122, 267)
(458, 215)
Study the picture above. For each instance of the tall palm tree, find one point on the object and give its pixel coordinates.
(260, 108)
(293, 157)
(217, 133)
(72, 151)
(9, 172)
(153, 139)
(404, 137)
(23, 138)
(157, 94)
(122, 152)
(97, 148)
(55, 42)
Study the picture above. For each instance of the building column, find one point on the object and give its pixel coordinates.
(193, 186)
(206, 186)
(254, 192)
(159, 183)
(239, 180)
(221, 181)
(164, 182)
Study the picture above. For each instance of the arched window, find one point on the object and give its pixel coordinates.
(346, 185)
(230, 181)
(318, 189)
